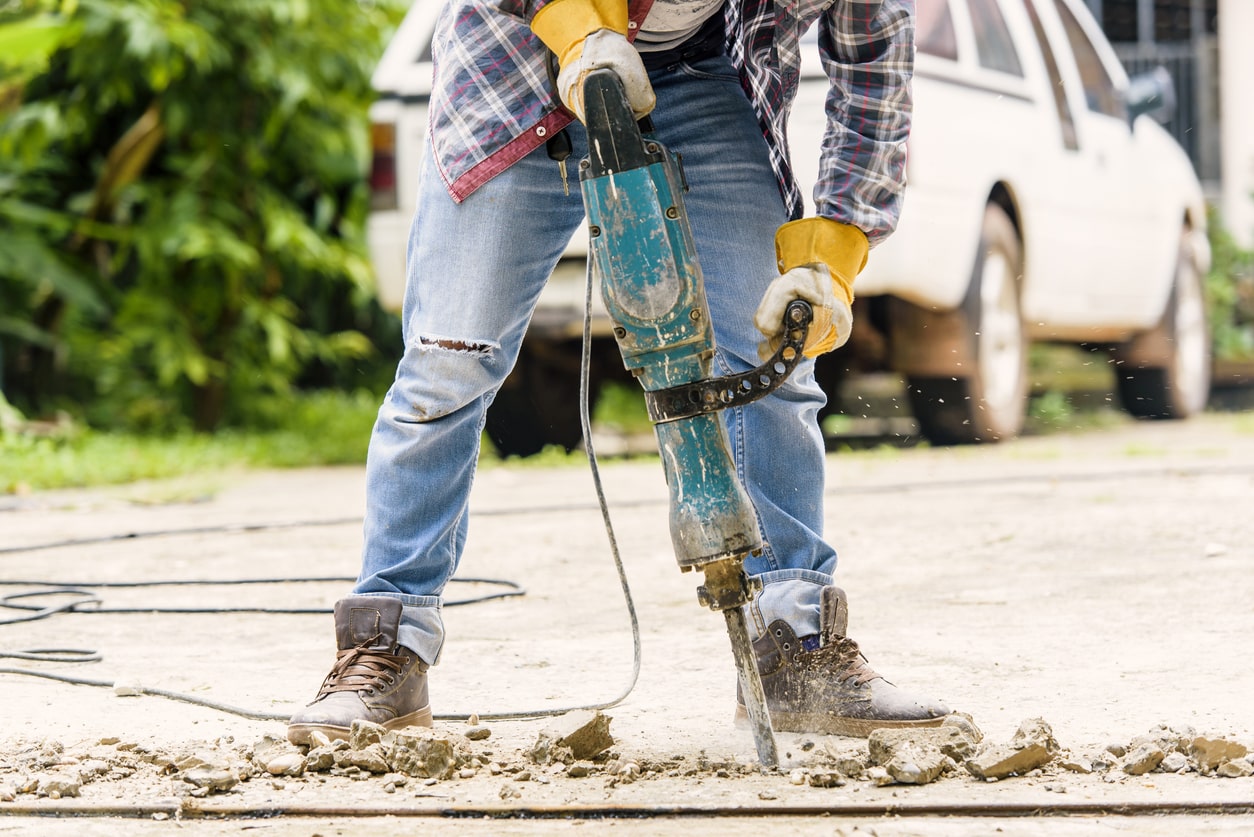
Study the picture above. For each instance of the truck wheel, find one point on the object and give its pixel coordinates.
(988, 403)
(538, 405)
(1165, 373)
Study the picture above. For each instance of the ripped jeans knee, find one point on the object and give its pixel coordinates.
(440, 375)
(468, 346)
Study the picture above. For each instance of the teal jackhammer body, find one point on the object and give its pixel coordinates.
(643, 252)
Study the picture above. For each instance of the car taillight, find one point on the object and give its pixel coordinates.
(383, 166)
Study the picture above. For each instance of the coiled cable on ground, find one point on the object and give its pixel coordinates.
(79, 598)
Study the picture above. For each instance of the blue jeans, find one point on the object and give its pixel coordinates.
(475, 271)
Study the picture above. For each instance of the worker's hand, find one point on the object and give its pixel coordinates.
(588, 35)
(833, 317)
(818, 259)
(606, 49)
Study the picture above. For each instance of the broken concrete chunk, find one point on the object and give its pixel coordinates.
(920, 756)
(586, 733)
(372, 757)
(364, 733)
(1032, 746)
(1235, 769)
(850, 766)
(879, 776)
(1208, 753)
(60, 785)
(213, 779)
(269, 747)
(318, 739)
(1143, 759)
(547, 750)
(162, 760)
(916, 765)
(964, 722)
(94, 767)
(998, 761)
(319, 759)
(424, 754)
(188, 760)
(286, 764)
(1076, 764)
(826, 779)
(1174, 763)
(1036, 732)
(1168, 739)
(958, 742)
(49, 752)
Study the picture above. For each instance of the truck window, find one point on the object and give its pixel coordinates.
(1099, 90)
(993, 44)
(1066, 120)
(934, 29)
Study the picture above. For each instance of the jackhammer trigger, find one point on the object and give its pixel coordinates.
(712, 394)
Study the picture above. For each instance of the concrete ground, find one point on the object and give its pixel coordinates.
(1099, 580)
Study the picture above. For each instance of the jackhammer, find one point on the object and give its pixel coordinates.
(643, 252)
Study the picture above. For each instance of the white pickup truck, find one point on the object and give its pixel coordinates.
(1044, 204)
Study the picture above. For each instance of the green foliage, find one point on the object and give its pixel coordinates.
(323, 428)
(620, 406)
(1230, 295)
(182, 196)
(1051, 411)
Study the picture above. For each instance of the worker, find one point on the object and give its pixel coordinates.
(494, 215)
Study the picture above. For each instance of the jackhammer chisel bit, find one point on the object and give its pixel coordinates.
(643, 252)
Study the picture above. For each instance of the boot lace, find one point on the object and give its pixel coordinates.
(362, 669)
(840, 657)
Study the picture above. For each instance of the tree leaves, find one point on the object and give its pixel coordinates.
(183, 185)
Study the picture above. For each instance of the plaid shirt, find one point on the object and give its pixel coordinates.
(492, 102)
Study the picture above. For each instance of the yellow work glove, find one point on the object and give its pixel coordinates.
(818, 259)
(588, 35)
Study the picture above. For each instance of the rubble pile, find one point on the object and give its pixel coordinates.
(920, 756)
(580, 746)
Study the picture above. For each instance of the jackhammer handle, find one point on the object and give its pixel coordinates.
(713, 394)
(615, 137)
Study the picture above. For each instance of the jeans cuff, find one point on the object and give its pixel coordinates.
(790, 595)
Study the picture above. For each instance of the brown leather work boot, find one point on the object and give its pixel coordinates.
(822, 684)
(373, 679)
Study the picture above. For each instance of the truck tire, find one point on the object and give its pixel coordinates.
(1165, 373)
(986, 400)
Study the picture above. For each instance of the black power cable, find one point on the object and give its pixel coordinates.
(81, 600)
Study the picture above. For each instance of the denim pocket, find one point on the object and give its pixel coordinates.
(714, 68)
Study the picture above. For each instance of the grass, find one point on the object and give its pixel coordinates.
(330, 428)
(1072, 389)
(325, 428)
(317, 429)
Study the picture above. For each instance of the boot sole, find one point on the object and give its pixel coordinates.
(301, 734)
(823, 724)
